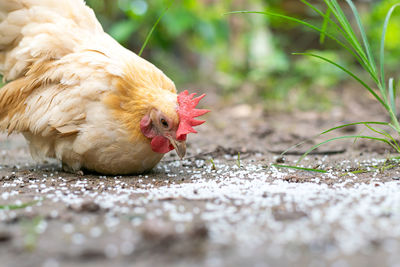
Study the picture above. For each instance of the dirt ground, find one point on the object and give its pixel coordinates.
(213, 209)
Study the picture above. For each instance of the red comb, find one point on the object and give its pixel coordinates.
(187, 112)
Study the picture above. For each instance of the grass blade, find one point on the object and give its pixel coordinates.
(345, 137)
(343, 21)
(382, 48)
(347, 32)
(349, 73)
(152, 30)
(304, 24)
(351, 37)
(326, 16)
(354, 123)
(298, 168)
(333, 129)
(20, 206)
(392, 95)
(324, 26)
(385, 134)
(363, 35)
(358, 55)
(297, 145)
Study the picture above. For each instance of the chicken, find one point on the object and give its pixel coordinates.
(78, 96)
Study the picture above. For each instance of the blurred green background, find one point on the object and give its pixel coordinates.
(244, 57)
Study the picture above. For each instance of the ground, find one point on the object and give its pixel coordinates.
(214, 208)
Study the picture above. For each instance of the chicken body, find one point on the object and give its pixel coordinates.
(75, 93)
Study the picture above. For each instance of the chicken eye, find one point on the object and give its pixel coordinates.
(164, 123)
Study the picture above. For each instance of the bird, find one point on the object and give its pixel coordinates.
(80, 97)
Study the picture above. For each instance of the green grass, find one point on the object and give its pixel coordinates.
(337, 27)
(238, 163)
(31, 230)
(388, 164)
(298, 168)
(20, 206)
(30, 227)
(152, 30)
(213, 167)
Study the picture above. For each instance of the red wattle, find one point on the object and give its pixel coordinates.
(160, 144)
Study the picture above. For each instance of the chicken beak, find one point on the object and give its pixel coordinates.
(180, 147)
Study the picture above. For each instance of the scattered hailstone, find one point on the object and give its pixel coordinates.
(239, 206)
(95, 232)
(111, 251)
(127, 248)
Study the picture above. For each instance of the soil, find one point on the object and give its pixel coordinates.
(214, 209)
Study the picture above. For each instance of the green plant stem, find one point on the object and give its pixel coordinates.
(152, 30)
(298, 168)
(382, 48)
(394, 122)
(238, 160)
(21, 206)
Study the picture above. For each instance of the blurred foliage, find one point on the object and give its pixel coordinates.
(241, 54)
(191, 36)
